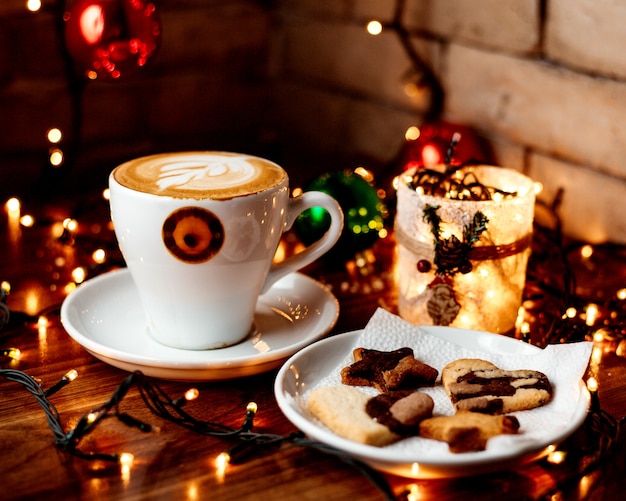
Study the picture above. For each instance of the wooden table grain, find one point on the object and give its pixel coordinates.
(175, 463)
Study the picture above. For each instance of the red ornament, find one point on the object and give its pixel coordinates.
(423, 266)
(431, 147)
(108, 39)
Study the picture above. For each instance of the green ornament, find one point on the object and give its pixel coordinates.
(363, 209)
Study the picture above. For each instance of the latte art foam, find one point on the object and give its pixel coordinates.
(199, 175)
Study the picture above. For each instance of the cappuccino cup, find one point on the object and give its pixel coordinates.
(198, 232)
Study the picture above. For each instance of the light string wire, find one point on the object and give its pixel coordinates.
(161, 405)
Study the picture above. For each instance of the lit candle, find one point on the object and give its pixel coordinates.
(461, 260)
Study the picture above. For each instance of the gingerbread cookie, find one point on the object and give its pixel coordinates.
(388, 370)
(354, 415)
(400, 411)
(467, 431)
(480, 386)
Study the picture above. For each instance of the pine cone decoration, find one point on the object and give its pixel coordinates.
(450, 254)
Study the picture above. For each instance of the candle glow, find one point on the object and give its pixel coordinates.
(487, 294)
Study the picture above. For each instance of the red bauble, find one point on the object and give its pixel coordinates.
(107, 39)
(431, 147)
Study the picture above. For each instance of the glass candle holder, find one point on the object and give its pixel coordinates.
(462, 262)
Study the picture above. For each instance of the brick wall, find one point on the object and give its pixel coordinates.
(543, 81)
(301, 81)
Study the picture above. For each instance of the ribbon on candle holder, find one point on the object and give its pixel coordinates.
(481, 253)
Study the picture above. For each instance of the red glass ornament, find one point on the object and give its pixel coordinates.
(108, 39)
(431, 147)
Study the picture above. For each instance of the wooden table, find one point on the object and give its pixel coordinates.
(175, 463)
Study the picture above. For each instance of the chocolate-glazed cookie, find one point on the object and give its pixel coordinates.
(388, 370)
(480, 386)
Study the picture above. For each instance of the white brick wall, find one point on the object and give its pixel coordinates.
(547, 88)
(592, 206)
(548, 108)
(588, 34)
(508, 25)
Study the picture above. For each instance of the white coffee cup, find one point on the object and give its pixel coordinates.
(198, 232)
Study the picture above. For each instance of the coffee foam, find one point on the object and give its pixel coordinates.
(199, 175)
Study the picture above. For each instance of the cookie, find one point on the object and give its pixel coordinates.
(388, 370)
(344, 410)
(400, 411)
(467, 431)
(480, 386)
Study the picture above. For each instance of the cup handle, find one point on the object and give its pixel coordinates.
(296, 206)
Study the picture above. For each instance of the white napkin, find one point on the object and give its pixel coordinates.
(564, 364)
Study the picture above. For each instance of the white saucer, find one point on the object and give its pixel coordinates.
(308, 367)
(105, 317)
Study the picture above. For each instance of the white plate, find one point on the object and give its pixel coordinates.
(308, 367)
(105, 317)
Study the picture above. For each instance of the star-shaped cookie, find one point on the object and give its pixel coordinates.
(388, 370)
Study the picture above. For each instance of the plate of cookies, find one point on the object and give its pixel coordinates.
(435, 402)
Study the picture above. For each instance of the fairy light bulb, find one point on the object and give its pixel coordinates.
(5, 288)
(99, 256)
(413, 491)
(56, 157)
(126, 459)
(79, 274)
(13, 205)
(592, 384)
(412, 133)
(222, 460)
(13, 353)
(33, 5)
(54, 135)
(191, 394)
(586, 251)
(556, 457)
(70, 224)
(67, 378)
(374, 28)
(591, 314)
(27, 221)
(126, 462)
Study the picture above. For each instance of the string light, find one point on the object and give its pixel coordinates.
(592, 384)
(99, 256)
(56, 157)
(27, 221)
(248, 422)
(13, 353)
(33, 5)
(221, 462)
(54, 135)
(374, 28)
(190, 394)
(79, 274)
(556, 457)
(13, 205)
(67, 378)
